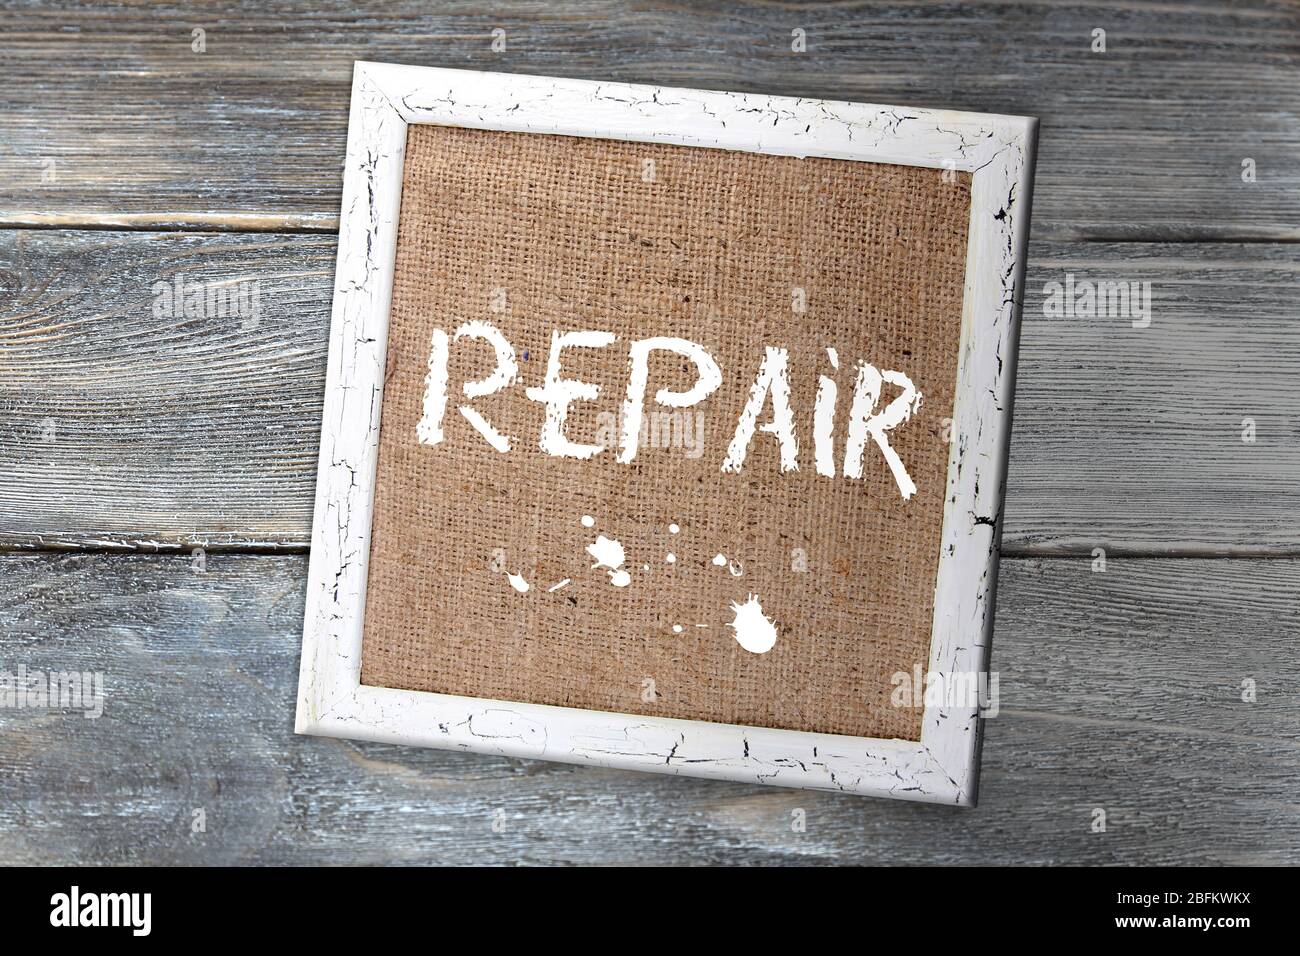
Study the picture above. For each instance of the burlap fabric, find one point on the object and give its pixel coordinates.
(536, 233)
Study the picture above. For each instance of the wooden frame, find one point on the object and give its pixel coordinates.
(998, 151)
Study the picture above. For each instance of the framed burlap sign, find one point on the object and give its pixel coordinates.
(666, 429)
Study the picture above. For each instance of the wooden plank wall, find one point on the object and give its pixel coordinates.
(129, 435)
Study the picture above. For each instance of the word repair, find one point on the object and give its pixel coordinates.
(771, 386)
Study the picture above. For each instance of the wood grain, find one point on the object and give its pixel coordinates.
(120, 428)
(111, 119)
(1119, 690)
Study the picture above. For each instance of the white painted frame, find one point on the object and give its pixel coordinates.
(998, 151)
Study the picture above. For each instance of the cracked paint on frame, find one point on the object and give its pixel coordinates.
(998, 151)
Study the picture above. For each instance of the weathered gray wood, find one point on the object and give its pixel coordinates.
(1119, 690)
(119, 428)
(1145, 140)
(139, 428)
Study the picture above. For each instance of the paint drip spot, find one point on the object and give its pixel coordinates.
(608, 554)
(677, 628)
(517, 582)
(720, 560)
(736, 569)
(754, 632)
(670, 558)
(588, 521)
(673, 529)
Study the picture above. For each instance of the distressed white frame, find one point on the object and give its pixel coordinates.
(998, 151)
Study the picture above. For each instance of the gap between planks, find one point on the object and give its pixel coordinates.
(1055, 552)
(293, 224)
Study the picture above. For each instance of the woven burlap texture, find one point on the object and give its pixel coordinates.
(734, 251)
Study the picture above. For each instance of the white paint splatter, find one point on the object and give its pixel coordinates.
(720, 560)
(517, 582)
(673, 529)
(677, 628)
(754, 632)
(670, 558)
(736, 569)
(588, 521)
(560, 584)
(609, 554)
